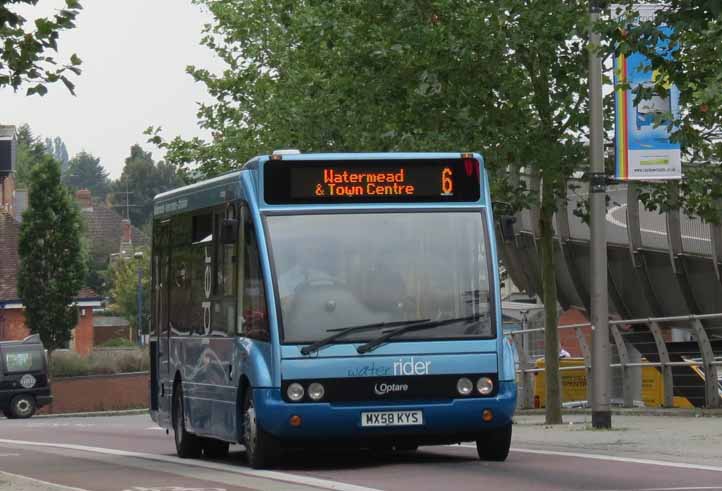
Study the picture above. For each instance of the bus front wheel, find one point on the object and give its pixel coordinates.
(494, 444)
(187, 445)
(261, 448)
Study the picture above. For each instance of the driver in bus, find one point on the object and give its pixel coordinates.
(305, 264)
(385, 286)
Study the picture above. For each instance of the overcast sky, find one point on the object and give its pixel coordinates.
(134, 56)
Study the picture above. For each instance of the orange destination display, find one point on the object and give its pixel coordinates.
(370, 181)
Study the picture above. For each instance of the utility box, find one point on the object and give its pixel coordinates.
(8, 144)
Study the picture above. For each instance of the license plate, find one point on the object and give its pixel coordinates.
(392, 418)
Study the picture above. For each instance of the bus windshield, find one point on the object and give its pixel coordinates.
(351, 269)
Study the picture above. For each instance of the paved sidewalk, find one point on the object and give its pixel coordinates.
(690, 440)
(12, 482)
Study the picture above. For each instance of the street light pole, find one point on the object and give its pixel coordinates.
(601, 414)
(139, 304)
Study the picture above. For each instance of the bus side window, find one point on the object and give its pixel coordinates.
(253, 321)
(225, 285)
(201, 261)
(180, 309)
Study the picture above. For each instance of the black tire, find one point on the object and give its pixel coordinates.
(406, 447)
(262, 449)
(215, 449)
(8, 414)
(187, 445)
(22, 406)
(494, 445)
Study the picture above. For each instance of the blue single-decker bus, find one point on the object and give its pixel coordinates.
(346, 299)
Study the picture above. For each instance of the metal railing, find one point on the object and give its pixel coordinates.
(691, 324)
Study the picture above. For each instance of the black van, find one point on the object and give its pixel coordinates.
(24, 381)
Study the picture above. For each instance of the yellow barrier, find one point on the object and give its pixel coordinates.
(574, 385)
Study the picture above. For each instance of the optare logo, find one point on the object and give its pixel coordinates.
(383, 389)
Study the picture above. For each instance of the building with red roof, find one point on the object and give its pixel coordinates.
(12, 315)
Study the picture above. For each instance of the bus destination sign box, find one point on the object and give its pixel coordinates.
(371, 181)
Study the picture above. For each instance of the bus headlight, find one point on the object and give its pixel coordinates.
(464, 386)
(295, 392)
(485, 385)
(316, 391)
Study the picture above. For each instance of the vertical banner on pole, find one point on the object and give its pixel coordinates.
(643, 149)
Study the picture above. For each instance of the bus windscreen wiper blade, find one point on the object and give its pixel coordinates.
(341, 332)
(416, 326)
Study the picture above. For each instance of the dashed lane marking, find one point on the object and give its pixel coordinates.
(271, 475)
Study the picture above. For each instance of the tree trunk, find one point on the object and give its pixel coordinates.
(549, 286)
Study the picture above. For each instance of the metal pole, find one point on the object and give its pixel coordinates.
(140, 304)
(601, 414)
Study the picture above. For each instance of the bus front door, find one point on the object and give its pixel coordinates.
(164, 383)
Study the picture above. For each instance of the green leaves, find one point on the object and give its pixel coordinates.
(37, 89)
(123, 294)
(85, 172)
(144, 178)
(23, 53)
(52, 265)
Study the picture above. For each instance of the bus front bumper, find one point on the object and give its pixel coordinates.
(447, 421)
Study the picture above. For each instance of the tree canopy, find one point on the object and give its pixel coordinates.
(144, 178)
(85, 172)
(124, 290)
(26, 57)
(507, 78)
(52, 265)
(57, 149)
(31, 149)
(503, 77)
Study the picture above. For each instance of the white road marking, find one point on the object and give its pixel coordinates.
(9, 455)
(273, 475)
(693, 488)
(155, 428)
(619, 223)
(628, 460)
(40, 424)
(42, 483)
(172, 488)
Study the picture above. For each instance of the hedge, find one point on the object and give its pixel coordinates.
(70, 364)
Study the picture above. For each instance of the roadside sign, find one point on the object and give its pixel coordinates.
(643, 148)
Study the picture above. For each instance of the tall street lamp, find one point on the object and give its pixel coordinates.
(601, 414)
(139, 262)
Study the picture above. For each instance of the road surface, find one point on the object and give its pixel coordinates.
(129, 453)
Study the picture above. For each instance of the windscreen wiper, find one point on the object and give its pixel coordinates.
(341, 332)
(416, 326)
